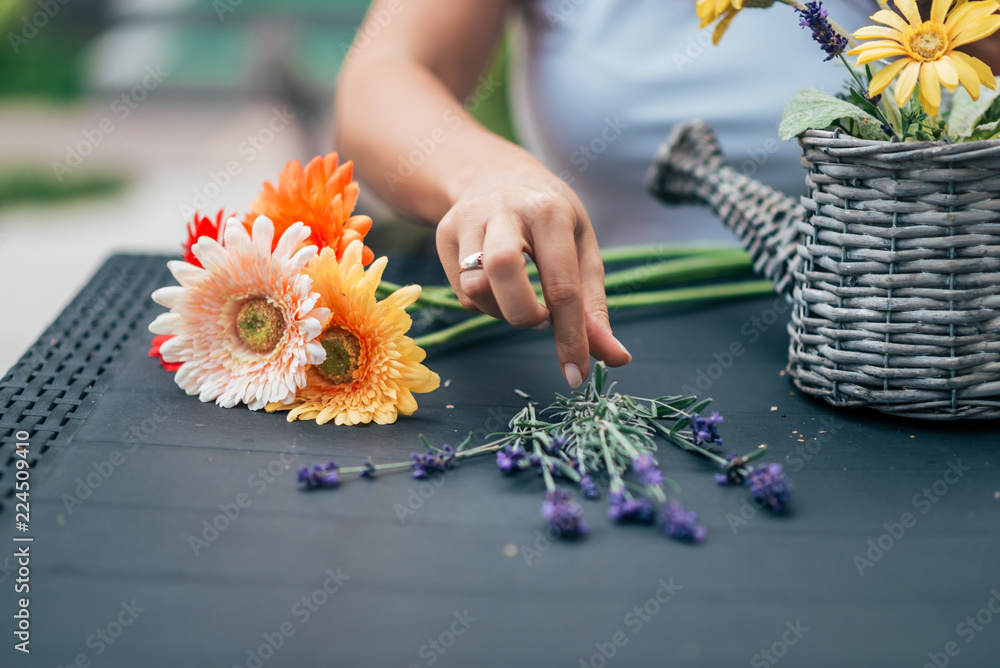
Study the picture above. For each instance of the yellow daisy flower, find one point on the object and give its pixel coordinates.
(926, 49)
(723, 11)
(372, 368)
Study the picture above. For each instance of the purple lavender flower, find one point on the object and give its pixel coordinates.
(703, 430)
(681, 523)
(509, 459)
(558, 443)
(645, 467)
(424, 464)
(320, 475)
(565, 515)
(589, 488)
(770, 487)
(623, 510)
(732, 472)
(369, 471)
(814, 17)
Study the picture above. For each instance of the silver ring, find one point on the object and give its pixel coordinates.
(474, 261)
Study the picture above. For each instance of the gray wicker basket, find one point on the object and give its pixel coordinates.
(891, 263)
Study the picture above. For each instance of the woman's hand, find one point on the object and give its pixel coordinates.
(521, 207)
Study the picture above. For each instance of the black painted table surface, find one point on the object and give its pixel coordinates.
(168, 532)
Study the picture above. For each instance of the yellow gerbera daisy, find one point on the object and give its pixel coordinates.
(723, 11)
(372, 368)
(926, 49)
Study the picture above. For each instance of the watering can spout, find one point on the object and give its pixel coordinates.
(690, 168)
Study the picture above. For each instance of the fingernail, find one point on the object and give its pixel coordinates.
(624, 349)
(572, 373)
(544, 325)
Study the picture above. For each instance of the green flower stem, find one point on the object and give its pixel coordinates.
(692, 268)
(638, 253)
(691, 447)
(462, 454)
(616, 478)
(550, 484)
(701, 293)
(864, 91)
(450, 333)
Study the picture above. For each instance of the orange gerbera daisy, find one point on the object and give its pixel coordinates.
(322, 196)
(372, 368)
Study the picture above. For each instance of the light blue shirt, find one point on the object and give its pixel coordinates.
(596, 86)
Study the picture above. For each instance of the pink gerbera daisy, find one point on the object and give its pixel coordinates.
(244, 327)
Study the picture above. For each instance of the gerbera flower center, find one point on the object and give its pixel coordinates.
(928, 41)
(343, 355)
(260, 325)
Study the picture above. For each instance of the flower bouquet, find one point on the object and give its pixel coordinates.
(892, 261)
(277, 310)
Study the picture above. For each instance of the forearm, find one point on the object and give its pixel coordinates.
(413, 141)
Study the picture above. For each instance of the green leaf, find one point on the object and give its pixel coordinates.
(986, 131)
(600, 376)
(811, 109)
(967, 114)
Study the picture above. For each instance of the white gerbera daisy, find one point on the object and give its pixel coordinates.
(244, 327)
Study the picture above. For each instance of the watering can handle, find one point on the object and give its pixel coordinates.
(690, 168)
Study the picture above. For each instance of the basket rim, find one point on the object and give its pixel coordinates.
(839, 142)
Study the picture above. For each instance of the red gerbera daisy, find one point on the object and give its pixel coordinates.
(202, 226)
(154, 351)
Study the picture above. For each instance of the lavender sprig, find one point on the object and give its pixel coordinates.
(816, 18)
(769, 486)
(320, 475)
(565, 515)
(598, 432)
(681, 523)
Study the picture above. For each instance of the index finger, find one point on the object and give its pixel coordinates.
(555, 252)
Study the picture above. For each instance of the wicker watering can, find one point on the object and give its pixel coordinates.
(891, 264)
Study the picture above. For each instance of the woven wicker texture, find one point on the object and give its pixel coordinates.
(57, 381)
(892, 264)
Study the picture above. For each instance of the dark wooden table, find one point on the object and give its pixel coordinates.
(168, 532)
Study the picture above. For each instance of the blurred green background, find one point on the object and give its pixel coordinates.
(95, 161)
(56, 53)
